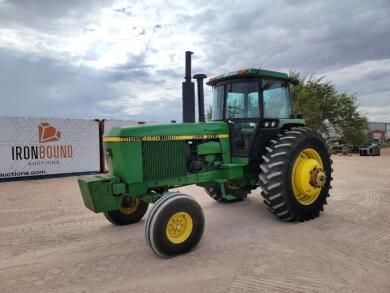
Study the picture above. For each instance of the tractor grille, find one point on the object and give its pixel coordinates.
(163, 159)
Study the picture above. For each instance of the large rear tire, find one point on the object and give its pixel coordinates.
(131, 212)
(296, 174)
(175, 225)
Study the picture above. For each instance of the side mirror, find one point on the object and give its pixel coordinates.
(294, 82)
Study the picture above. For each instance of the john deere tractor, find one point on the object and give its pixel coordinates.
(251, 140)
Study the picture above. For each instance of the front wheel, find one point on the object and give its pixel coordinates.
(296, 174)
(132, 211)
(175, 225)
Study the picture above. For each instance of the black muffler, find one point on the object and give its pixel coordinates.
(188, 92)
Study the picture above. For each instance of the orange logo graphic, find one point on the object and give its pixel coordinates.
(48, 133)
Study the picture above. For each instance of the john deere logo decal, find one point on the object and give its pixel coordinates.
(48, 133)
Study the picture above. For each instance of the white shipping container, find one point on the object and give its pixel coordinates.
(373, 126)
(37, 146)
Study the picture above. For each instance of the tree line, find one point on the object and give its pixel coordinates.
(332, 113)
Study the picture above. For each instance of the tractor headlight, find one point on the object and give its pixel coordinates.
(273, 123)
(266, 124)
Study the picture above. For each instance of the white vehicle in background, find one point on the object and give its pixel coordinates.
(370, 149)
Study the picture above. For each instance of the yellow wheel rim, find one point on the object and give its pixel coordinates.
(130, 206)
(308, 176)
(179, 227)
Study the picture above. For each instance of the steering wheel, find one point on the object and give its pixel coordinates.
(234, 110)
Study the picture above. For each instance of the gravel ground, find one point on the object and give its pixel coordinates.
(50, 243)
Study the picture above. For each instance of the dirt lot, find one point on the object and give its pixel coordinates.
(50, 242)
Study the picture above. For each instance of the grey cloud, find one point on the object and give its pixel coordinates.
(163, 110)
(306, 36)
(310, 37)
(313, 37)
(372, 89)
(45, 87)
(135, 69)
(48, 15)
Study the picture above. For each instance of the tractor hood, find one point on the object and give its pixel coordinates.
(146, 153)
(172, 131)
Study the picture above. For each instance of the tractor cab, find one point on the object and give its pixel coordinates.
(250, 100)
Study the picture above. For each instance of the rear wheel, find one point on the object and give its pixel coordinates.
(175, 225)
(296, 174)
(233, 193)
(132, 211)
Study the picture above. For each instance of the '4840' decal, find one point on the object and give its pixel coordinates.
(163, 137)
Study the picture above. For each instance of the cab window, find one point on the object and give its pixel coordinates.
(276, 98)
(217, 107)
(242, 100)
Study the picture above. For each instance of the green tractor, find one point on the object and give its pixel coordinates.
(252, 140)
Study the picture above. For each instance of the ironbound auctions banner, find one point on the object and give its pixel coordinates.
(36, 147)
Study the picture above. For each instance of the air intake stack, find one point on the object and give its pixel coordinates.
(199, 79)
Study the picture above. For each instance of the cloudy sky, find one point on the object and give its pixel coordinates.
(124, 59)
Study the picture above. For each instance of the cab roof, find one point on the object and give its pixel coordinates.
(249, 72)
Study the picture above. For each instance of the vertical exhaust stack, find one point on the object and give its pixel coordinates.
(188, 92)
(199, 80)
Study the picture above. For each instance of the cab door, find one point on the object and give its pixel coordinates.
(242, 111)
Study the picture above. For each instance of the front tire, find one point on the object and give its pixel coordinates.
(131, 212)
(175, 225)
(296, 174)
